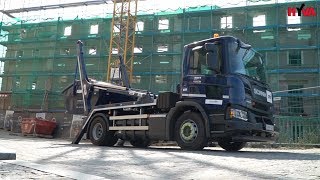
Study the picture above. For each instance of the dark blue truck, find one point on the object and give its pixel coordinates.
(222, 97)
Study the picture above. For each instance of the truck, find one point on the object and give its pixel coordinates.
(222, 98)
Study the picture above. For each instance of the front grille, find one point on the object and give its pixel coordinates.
(261, 106)
(263, 120)
(247, 89)
(259, 120)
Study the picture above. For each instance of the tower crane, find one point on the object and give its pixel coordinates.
(122, 40)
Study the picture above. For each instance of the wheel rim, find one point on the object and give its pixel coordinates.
(188, 131)
(97, 131)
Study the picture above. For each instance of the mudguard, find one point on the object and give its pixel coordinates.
(181, 107)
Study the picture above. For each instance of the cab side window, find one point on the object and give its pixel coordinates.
(198, 63)
(193, 64)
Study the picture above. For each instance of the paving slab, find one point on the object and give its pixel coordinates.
(12, 171)
(61, 172)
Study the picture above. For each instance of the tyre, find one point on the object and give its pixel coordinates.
(99, 135)
(140, 143)
(231, 146)
(112, 141)
(190, 131)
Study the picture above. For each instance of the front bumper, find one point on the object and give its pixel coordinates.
(239, 130)
(257, 127)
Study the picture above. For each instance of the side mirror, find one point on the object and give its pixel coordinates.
(213, 61)
(243, 45)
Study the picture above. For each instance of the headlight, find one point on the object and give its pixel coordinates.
(237, 113)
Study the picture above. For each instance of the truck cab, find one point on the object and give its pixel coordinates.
(226, 77)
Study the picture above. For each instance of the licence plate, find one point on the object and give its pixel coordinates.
(269, 127)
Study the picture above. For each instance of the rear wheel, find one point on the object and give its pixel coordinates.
(190, 131)
(140, 143)
(231, 146)
(99, 135)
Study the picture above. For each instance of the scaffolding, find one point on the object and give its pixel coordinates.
(38, 54)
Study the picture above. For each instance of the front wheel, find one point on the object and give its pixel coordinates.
(99, 135)
(190, 131)
(231, 146)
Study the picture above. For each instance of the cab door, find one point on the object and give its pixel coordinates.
(204, 80)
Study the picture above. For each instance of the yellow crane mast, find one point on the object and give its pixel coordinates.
(122, 38)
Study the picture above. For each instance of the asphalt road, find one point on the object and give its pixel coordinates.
(58, 157)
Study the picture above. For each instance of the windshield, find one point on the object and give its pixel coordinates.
(247, 62)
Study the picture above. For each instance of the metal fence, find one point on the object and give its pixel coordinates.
(302, 130)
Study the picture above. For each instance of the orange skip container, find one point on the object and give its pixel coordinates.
(37, 126)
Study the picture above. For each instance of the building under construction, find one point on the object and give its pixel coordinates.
(38, 55)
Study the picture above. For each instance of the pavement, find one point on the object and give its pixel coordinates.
(11, 168)
(28, 170)
(14, 171)
(40, 158)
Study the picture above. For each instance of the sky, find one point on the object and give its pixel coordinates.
(14, 4)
